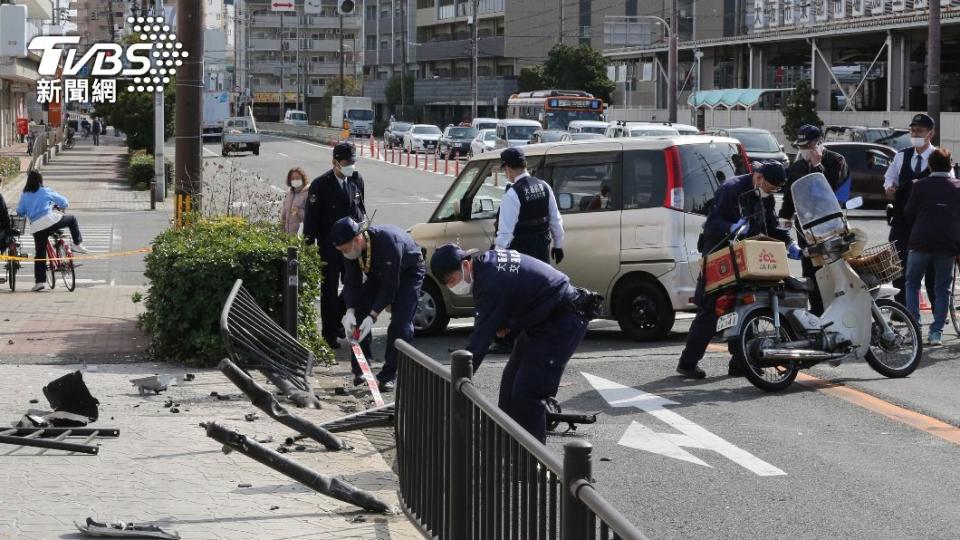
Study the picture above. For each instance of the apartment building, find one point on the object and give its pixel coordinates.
(100, 20)
(286, 60)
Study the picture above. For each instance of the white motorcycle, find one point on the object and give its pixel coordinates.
(769, 326)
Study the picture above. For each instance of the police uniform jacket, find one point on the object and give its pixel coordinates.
(737, 198)
(833, 167)
(905, 168)
(513, 291)
(528, 208)
(394, 253)
(328, 201)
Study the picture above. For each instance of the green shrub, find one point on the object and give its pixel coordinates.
(9, 166)
(191, 271)
(140, 169)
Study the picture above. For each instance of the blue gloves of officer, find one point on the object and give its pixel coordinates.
(794, 251)
(737, 225)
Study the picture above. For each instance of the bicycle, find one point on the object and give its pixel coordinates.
(60, 261)
(17, 226)
(955, 297)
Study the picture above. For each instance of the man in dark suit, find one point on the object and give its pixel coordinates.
(336, 194)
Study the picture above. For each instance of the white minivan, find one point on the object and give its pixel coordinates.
(515, 132)
(295, 118)
(480, 124)
(633, 209)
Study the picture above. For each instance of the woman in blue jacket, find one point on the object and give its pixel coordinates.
(37, 203)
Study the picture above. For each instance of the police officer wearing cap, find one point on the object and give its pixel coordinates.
(813, 157)
(335, 194)
(518, 294)
(908, 165)
(383, 269)
(529, 215)
(742, 201)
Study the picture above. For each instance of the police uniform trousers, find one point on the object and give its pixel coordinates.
(402, 313)
(901, 235)
(536, 365)
(702, 329)
(536, 245)
(332, 307)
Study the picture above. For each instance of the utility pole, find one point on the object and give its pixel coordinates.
(560, 31)
(342, 54)
(299, 67)
(933, 68)
(672, 62)
(159, 188)
(475, 71)
(188, 112)
(283, 50)
(403, 59)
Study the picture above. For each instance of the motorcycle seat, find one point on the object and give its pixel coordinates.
(799, 284)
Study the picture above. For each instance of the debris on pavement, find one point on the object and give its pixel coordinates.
(69, 394)
(274, 508)
(34, 401)
(167, 404)
(250, 417)
(359, 519)
(189, 377)
(174, 410)
(244, 485)
(124, 530)
(154, 383)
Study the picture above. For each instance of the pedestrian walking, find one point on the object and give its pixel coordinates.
(907, 166)
(748, 201)
(294, 204)
(518, 294)
(813, 157)
(336, 194)
(934, 211)
(384, 270)
(40, 205)
(96, 130)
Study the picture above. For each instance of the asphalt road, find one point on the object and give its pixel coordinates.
(847, 453)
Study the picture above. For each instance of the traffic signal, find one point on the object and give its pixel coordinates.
(346, 7)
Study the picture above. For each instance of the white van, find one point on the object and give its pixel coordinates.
(484, 123)
(515, 132)
(616, 130)
(295, 118)
(587, 126)
(633, 210)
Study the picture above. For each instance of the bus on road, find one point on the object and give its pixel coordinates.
(555, 109)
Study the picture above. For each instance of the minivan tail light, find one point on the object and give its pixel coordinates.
(674, 195)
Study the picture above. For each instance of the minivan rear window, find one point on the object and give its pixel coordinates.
(704, 167)
(644, 179)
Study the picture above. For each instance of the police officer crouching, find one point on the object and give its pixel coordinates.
(384, 268)
(748, 201)
(521, 295)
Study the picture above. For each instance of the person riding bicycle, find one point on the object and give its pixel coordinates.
(39, 204)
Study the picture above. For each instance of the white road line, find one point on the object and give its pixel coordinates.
(212, 153)
(282, 154)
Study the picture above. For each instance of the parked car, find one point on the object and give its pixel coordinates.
(295, 118)
(393, 135)
(582, 136)
(485, 141)
(547, 135)
(421, 138)
(239, 134)
(639, 129)
(515, 132)
(638, 247)
(456, 140)
(760, 144)
(484, 123)
(587, 126)
(868, 163)
(898, 139)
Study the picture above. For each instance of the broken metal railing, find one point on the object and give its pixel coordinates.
(49, 438)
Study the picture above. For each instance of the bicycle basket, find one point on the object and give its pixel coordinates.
(879, 264)
(18, 224)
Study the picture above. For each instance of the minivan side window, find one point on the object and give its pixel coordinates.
(449, 208)
(585, 183)
(644, 173)
(704, 167)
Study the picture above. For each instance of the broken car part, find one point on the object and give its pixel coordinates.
(124, 530)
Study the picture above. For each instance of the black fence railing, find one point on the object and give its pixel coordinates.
(468, 471)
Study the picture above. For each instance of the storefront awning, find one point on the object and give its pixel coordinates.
(733, 98)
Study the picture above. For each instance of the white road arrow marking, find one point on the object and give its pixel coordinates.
(691, 435)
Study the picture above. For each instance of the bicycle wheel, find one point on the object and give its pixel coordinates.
(955, 297)
(67, 272)
(12, 270)
(52, 267)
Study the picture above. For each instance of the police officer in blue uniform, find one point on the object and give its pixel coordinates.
(336, 194)
(529, 216)
(748, 201)
(519, 294)
(384, 268)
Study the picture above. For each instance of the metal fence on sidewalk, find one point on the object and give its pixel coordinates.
(468, 471)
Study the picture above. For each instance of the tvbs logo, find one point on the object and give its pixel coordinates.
(145, 66)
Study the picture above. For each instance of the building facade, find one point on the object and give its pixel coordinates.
(287, 60)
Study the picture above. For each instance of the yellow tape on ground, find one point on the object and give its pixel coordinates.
(80, 257)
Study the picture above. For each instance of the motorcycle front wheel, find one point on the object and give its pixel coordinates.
(901, 355)
(759, 325)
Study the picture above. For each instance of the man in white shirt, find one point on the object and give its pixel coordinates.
(529, 216)
(908, 165)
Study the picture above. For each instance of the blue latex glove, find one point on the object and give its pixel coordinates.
(794, 251)
(737, 225)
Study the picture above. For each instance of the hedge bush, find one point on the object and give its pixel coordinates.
(191, 271)
(140, 170)
(9, 166)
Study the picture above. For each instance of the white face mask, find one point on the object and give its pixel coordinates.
(918, 142)
(296, 184)
(805, 153)
(354, 252)
(348, 170)
(464, 287)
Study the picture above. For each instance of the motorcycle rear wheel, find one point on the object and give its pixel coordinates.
(769, 379)
(894, 361)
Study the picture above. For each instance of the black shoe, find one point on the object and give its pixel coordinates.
(388, 386)
(691, 373)
(341, 333)
(499, 348)
(359, 380)
(736, 370)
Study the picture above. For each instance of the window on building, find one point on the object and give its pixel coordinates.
(371, 12)
(384, 44)
(425, 4)
(371, 42)
(505, 71)
(318, 82)
(484, 71)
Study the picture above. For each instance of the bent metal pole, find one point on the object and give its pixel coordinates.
(321, 483)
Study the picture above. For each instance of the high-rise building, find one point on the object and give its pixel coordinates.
(100, 21)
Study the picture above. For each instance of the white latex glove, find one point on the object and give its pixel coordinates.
(365, 327)
(349, 322)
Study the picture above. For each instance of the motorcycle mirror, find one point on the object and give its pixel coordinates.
(854, 203)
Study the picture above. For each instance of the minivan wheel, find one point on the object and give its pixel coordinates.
(431, 317)
(643, 311)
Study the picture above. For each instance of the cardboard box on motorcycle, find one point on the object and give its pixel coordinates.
(757, 258)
